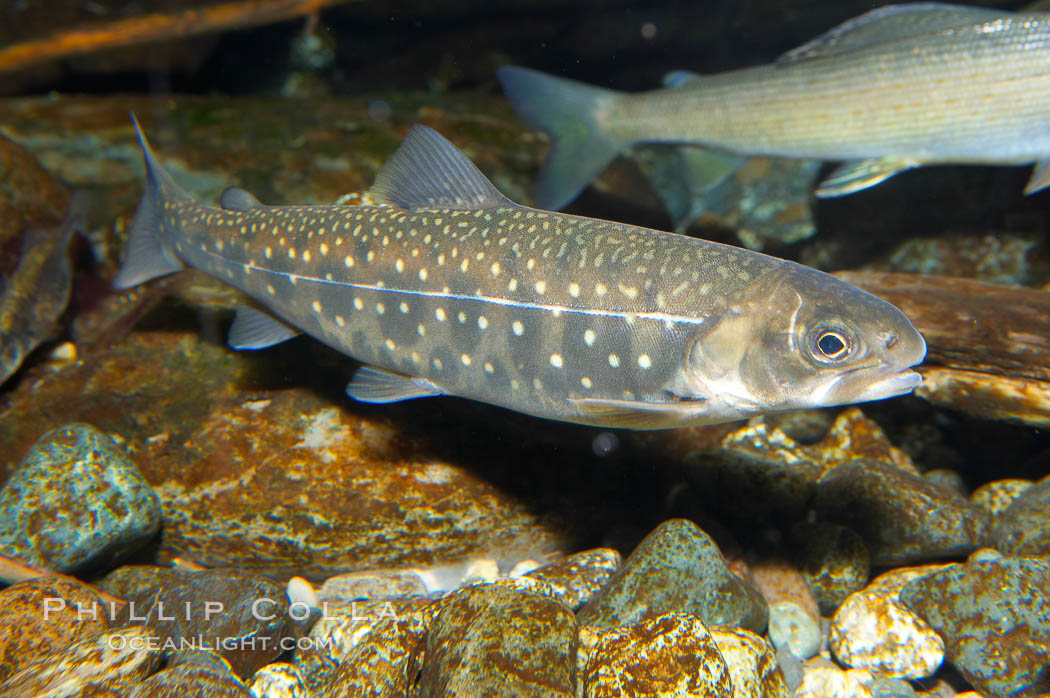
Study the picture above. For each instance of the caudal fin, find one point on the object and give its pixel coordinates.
(567, 111)
(148, 255)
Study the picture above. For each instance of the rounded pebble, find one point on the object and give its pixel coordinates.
(278, 680)
(752, 665)
(994, 497)
(835, 563)
(790, 625)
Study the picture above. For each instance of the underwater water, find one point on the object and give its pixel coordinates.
(579, 455)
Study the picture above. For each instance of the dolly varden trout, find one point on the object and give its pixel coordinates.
(899, 87)
(446, 287)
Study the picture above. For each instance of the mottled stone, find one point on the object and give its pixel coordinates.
(192, 672)
(996, 496)
(279, 680)
(493, 640)
(344, 625)
(873, 630)
(129, 580)
(244, 611)
(1023, 528)
(760, 473)
(752, 665)
(779, 579)
(103, 666)
(43, 615)
(384, 664)
(995, 620)
(902, 517)
(75, 500)
(372, 584)
(658, 657)
(577, 578)
(892, 688)
(825, 680)
(676, 569)
(947, 480)
(835, 562)
(790, 625)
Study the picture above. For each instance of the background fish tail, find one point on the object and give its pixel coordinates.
(149, 253)
(567, 111)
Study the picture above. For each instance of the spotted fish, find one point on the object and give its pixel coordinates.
(898, 87)
(445, 286)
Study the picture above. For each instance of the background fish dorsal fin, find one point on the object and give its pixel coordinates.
(237, 199)
(888, 24)
(429, 172)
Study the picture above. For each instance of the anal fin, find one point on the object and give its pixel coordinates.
(628, 414)
(254, 329)
(854, 176)
(379, 386)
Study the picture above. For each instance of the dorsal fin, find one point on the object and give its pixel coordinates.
(237, 199)
(428, 171)
(887, 24)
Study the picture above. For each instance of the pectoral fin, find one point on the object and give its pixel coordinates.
(852, 177)
(1040, 178)
(254, 329)
(379, 386)
(628, 414)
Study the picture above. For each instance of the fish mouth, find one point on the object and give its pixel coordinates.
(892, 385)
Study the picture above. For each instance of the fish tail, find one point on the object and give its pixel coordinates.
(149, 252)
(568, 112)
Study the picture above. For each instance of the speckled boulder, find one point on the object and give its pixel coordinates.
(40, 615)
(496, 640)
(752, 666)
(279, 680)
(223, 603)
(102, 666)
(676, 569)
(996, 496)
(873, 630)
(835, 562)
(901, 517)
(372, 584)
(344, 625)
(192, 672)
(1023, 528)
(578, 578)
(384, 664)
(995, 619)
(129, 580)
(825, 680)
(75, 500)
(670, 655)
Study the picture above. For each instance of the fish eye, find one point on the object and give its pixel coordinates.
(832, 345)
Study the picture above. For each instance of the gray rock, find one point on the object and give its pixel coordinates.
(835, 563)
(1024, 527)
(245, 611)
(578, 578)
(995, 620)
(901, 517)
(790, 625)
(76, 500)
(677, 569)
(495, 640)
(192, 672)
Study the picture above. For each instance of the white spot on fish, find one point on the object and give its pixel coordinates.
(574, 290)
(291, 253)
(421, 330)
(437, 363)
(268, 252)
(514, 384)
(403, 307)
(556, 361)
(391, 345)
(465, 358)
(519, 329)
(586, 382)
(316, 305)
(269, 289)
(349, 261)
(629, 291)
(439, 313)
(324, 249)
(306, 255)
(489, 368)
(399, 265)
(600, 289)
(423, 274)
(513, 285)
(588, 337)
(541, 287)
(340, 321)
(494, 269)
(644, 361)
(483, 322)
(359, 304)
(380, 308)
(464, 265)
(614, 360)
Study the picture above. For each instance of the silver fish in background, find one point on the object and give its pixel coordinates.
(899, 87)
(448, 287)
